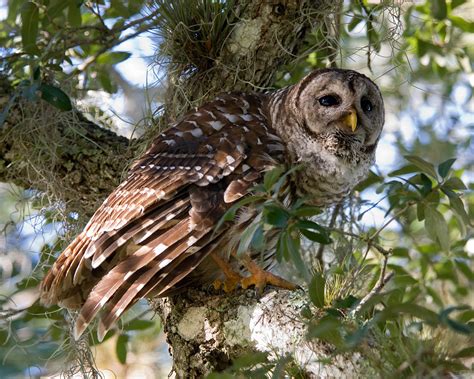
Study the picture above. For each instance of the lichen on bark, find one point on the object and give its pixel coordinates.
(208, 332)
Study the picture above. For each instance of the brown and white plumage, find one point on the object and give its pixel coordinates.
(153, 235)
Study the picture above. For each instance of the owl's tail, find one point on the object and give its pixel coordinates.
(156, 267)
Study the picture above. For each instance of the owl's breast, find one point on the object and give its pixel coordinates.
(326, 178)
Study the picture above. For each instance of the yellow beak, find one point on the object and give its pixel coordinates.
(351, 120)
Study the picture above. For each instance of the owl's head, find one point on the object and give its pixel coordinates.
(342, 109)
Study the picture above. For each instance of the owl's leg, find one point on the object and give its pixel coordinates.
(232, 279)
(261, 278)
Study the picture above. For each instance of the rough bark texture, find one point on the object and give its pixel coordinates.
(265, 36)
(74, 161)
(208, 332)
(62, 154)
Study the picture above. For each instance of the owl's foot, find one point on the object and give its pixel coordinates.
(232, 279)
(261, 278)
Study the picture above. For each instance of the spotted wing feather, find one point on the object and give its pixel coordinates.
(158, 225)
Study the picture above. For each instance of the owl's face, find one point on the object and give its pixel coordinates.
(342, 108)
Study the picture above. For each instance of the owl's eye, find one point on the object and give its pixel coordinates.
(366, 105)
(329, 101)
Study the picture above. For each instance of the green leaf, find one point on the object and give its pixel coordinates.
(454, 183)
(356, 20)
(457, 206)
(369, 181)
(437, 227)
(106, 81)
(121, 348)
(465, 353)
(139, 324)
(465, 269)
(258, 239)
(322, 235)
(459, 327)
(414, 310)
(74, 13)
(426, 183)
(420, 211)
(328, 329)
(29, 27)
(316, 290)
(439, 10)
(113, 57)
(461, 23)
(246, 238)
(443, 168)
(457, 3)
(423, 165)
(294, 251)
(55, 96)
(306, 211)
(408, 169)
(345, 303)
(315, 237)
(276, 216)
(272, 176)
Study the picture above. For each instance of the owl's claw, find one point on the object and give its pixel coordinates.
(232, 279)
(258, 277)
(261, 278)
(229, 284)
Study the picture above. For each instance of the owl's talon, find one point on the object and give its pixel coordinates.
(229, 284)
(232, 279)
(261, 278)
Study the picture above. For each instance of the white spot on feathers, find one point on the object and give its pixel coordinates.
(164, 263)
(216, 125)
(191, 240)
(196, 132)
(231, 117)
(160, 248)
(230, 159)
(170, 142)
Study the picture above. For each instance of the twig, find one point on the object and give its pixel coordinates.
(383, 280)
(320, 252)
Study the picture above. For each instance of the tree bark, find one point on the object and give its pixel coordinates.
(66, 157)
(208, 332)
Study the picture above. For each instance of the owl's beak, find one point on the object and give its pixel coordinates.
(351, 120)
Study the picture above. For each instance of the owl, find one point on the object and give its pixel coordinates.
(155, 234)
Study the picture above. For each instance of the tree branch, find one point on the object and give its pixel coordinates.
(61, 154)
(208, 332)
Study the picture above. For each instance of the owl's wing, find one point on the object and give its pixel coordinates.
(157, 226)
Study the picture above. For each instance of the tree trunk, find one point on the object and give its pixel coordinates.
(208, 332)
(77, 163)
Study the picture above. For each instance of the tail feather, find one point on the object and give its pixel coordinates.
(143, 283)
(154, 221)
(111, 282)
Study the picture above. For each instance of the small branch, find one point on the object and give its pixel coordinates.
(393, 218)
(383, 280)
(320, 252)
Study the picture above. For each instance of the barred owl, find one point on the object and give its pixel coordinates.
(155, 234)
